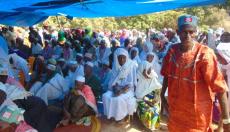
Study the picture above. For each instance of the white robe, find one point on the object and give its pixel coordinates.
(146, 85)
(224, 50)
(227, 68)
(124, 104)
(20, 64)
(106, 54)
(53, 89)
(70, 78)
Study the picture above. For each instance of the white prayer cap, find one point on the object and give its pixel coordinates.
(79, 54)
(2, 87)
(72, 63)
(51, 67)
(90, 64)
(61, 59)
(89, 55)
(3, 71)
(80, 78)
(150, 53)
(52, 61)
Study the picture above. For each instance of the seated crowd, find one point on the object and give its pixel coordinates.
(62, 76)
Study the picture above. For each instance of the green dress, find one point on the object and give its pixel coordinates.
(149, 109)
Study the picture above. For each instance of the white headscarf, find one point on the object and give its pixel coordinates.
(118, 71)
(80, 78)
(156, 65)
(136, 58)
(118, 52)
(17, 58)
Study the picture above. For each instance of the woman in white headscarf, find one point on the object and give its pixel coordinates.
(134, 55)
(148, 93)
(119, 101)
(147, 77)
(103, 51)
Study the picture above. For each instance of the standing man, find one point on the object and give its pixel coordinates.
(193, 78)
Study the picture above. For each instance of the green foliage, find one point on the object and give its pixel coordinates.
(226, 5)
(208, 17)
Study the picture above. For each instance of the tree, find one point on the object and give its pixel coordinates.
(209, 16)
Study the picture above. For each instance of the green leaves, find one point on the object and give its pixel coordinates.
(209, 16)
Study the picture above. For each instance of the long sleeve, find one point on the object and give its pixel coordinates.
(212, 74)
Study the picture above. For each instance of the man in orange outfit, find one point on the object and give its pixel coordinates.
(192, 76)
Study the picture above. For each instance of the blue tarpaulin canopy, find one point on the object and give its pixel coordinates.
(30, 12)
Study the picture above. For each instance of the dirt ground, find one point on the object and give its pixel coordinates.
(133, 126)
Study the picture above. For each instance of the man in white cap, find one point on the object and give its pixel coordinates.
(105, 74)
(79, 104)
(52, 88)
(74, 69)
(62, 66)
(92, 80)
(88, 57)
(79, 58)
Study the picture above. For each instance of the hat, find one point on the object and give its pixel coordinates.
(155, 36)
(150, 53)
(187, 20)
(72, 63)
(61, 40)
(89, 64)
(79, 54)
(89, 55)
(61, 59)
(51, 67)
(80, 78)
(52, 61)
(3, 71)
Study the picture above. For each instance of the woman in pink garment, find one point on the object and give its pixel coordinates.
(79, 104)
(10, 80)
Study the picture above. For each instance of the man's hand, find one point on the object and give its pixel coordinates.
(163, 99)
(165, 103)
(223, 100)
